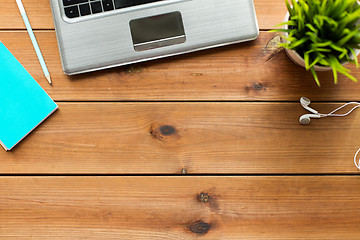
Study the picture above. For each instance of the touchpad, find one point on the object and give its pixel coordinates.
(157, 31)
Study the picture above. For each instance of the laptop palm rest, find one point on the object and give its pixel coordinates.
(157, 31)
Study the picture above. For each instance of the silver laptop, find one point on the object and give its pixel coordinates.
(99, 34)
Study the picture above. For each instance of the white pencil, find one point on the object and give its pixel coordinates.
(33, 40)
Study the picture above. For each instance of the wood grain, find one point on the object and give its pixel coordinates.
(238, 72)
(179, 207)
(38, 12)
(164, 138)
(269, 13)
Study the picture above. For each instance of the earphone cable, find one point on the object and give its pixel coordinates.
(337, 109)
(355, 157)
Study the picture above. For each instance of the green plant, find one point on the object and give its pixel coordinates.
(323, 32)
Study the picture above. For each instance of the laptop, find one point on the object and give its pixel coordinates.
(99, 34)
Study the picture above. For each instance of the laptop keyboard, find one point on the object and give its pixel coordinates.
(78, 8)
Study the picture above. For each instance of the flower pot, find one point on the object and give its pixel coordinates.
(295, 57)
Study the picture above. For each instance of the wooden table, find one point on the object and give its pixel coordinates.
(200, 146)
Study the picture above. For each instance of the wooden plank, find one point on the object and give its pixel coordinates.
(269, 13)
(179, 207)
(38, 12)
(165, 138)
(238, 72)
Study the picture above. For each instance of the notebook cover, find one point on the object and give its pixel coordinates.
(23, 103)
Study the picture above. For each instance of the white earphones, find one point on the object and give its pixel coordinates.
(305, 102)
(305, 119)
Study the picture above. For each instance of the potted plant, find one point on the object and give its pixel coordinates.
(322, 35)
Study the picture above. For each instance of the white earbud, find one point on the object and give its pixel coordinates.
(305, 119)
(305, 102)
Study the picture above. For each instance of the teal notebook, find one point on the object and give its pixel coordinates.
(23, 103)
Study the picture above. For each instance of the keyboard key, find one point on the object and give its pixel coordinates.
(72, 2)
(72, 12)
(96, 7)
(122, 4)
(108, 5)
(84, 9)
(130, 3)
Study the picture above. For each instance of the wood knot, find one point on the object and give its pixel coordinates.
(199, 227)
(133, 69)
(196, 74)
(204, 197)
(273, 47)
(273, 43)
(167, 130)
(162, 132)
(258, 86)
